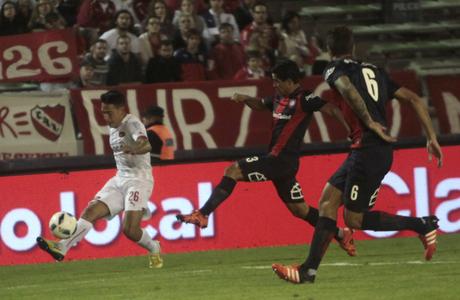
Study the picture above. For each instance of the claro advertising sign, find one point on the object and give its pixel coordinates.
(252, 217)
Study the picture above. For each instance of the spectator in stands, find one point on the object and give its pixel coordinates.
(124, 25)
(198, 5)
(260, 41)
(68, 10)
(296, 46)
(124, 65)
(137, 8)
(259, 13)
(253, 68)
(160, 137)
(322, 59)
(192, 60)
(243, 14)
(163, 67)
(85, 80)
(25, 9)
(187, 8)
(216, 16)
(97, 15)
(150, 40)
(11, 22)
(227, 57)
(38, 18)
(185, 24)
(157, 8)
(53, 21)
(96, 57)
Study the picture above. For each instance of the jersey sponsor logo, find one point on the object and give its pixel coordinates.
(48, 121)
(309, 96)
(281, 116)
(329, 72)
(291, 102)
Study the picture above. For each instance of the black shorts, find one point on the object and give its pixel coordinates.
(360, 176)
(281, 171)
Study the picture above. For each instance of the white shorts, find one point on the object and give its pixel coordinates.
(128, 194)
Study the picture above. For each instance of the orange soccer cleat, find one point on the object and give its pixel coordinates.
(429, 238)
(347, 243)
(196, 218)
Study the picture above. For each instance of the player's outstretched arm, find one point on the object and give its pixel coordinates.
(253, 103)
(404, 95)
(140, 146)
(335, 112)
(356, 102)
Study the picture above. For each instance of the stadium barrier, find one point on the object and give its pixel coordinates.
(252, 217)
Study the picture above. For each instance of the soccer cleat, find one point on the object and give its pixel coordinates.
(196, 218)
(51, 248)
(429, 237)
(155, 261)
(347, 243)
(291, 274)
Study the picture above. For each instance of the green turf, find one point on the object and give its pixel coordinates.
(385, 269)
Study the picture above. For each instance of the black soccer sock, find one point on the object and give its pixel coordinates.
(382, 221)
(312, 216)
(312, 219)
(325, 230)
(219, 194)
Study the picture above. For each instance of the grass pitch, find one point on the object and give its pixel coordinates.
(383, 269)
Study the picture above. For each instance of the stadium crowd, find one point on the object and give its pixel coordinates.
(167, 40)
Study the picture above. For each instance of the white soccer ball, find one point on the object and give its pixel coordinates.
(63, 225)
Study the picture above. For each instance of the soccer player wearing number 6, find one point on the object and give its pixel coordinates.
(365, 89)
(292, 111)
(128, 191)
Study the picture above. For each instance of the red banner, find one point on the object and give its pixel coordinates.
(253, 216)
(40, 56)
(202, 116)
(445, 97)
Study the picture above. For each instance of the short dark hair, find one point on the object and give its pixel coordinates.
(113, 97)
(340, 41)
(287, 69)
(226, 25)
(154, 110)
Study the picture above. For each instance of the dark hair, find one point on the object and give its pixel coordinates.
(340, 41)
(124, 11)
(113, 97)
(259, 3)
(100, 41)
(165, 43)
(287, 19)
(154, 111)
(287, 69)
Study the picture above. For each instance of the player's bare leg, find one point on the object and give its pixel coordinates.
(58, 249)
(222, 191)
(133, 231)
(426, 227)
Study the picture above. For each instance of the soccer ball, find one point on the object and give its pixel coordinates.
(63, 225)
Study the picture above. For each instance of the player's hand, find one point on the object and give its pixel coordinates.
(433, 148)
(380, 130)
(238, 98)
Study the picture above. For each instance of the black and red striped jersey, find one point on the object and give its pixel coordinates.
(291, 117)
(374, 86)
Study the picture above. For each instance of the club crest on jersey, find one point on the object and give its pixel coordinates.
(291, 103)
(48, 121)
(121, 134)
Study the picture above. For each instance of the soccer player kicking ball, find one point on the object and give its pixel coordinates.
(128, 191)
(365, 90)
(292, 112)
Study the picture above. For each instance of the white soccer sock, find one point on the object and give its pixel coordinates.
(146, 242)
(83, 227)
